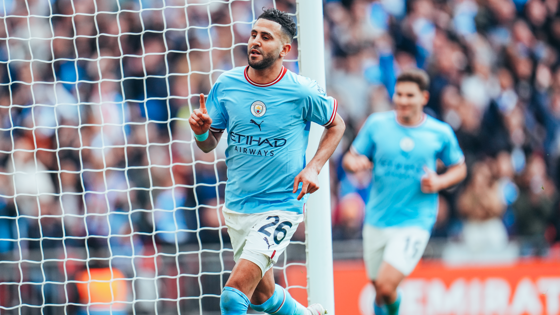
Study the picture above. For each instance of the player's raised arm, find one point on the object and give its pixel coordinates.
(329, 141)
(200, 123)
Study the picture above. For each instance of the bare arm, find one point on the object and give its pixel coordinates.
(354, 162)
(200, 123)
(329, 141)
(211, 143)
(433, 182)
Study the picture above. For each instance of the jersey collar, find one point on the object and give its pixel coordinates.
(414, 126)
(280, 76)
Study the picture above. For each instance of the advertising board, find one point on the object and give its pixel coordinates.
(525, 287)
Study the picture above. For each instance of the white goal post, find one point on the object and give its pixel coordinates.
(320, 276)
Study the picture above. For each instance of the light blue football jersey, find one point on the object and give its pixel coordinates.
(267, 130)
(399, 154)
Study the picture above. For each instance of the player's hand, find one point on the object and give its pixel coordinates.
(310, 182)
(353, 162)
(200, 121)
(430, 182)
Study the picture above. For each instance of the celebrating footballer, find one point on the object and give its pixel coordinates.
(267, 111)
(402, 148)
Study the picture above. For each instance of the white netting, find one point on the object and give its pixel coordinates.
(106, 204)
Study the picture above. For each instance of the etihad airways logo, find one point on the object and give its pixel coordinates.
(257, 141)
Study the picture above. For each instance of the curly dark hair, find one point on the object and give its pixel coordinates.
(288, 25)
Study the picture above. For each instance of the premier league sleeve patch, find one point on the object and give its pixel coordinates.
(258, 109)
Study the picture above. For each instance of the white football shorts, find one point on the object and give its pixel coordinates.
(401, 247)
(261, 237)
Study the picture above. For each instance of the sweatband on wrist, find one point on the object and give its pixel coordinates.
(202, 137)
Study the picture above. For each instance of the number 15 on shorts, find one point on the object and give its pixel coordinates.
(412, 247)
(277, 230)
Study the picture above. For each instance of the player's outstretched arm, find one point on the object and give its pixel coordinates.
(329, 141)
(354, 162)
(432, 182)
(200, 123)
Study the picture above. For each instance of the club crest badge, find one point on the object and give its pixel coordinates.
(258, 109)
(407, 144)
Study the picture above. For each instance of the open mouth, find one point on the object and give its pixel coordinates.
(255, 52)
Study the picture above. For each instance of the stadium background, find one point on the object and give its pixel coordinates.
(495, 79)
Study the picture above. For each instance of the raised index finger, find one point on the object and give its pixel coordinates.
(203, 104)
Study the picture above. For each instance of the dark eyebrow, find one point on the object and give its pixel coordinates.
(262, 32)
(267, 33)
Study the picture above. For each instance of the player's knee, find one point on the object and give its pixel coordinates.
(259, 298)
(384, 289)
(233, 301)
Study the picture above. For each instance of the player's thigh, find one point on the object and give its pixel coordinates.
(269, 238)
(405, 248)
(374, 241)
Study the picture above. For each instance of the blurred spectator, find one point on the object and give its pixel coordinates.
(169, 219)
(504, 169)
(482, 209)
(212, 224)
(534, 206)
(70, 199)
(31, 179)
(349, 218)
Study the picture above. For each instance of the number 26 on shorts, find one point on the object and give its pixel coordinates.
(280, 232)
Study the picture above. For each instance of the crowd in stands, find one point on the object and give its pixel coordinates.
(95, 145)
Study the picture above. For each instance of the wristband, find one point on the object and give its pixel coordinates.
(201, 137)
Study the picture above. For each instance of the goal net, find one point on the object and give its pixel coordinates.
(106, 204)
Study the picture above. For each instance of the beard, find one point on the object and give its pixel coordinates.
(267, 60)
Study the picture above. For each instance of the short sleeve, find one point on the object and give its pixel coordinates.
(451, 153)
(363, 144)
(319, 108)
(216, 110)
